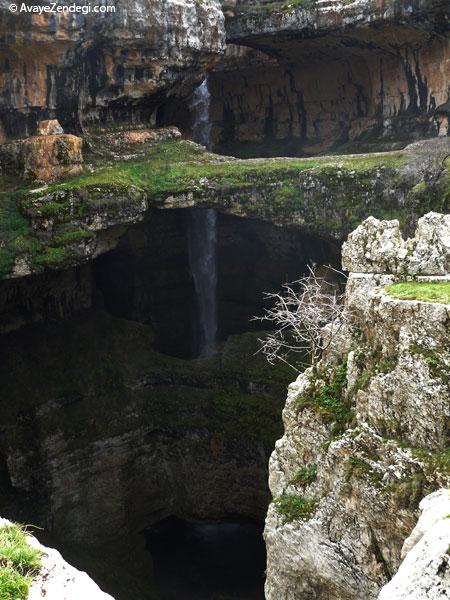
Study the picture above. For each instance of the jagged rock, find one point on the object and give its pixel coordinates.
(44, 158)
(57, 579)
(428, 253)
(425, 571)
(374, 247)
(378, 247)
(369, 477)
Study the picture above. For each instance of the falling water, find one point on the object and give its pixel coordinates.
(202, 257)
(200, 106)
(202, 236)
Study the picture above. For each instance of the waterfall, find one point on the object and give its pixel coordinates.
(202, 236)
(200, 106)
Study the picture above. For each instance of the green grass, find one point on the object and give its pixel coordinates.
(305, 475)
(426, 291)
(328, 400)
(292, 507)
(19, 563)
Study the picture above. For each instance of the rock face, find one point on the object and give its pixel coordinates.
(424, 572)
(336, 75)
(43, 158)
(119, 64)
(370, 428)
(57, 579)
(378, 247)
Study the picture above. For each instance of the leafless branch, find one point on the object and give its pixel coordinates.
(297, 316)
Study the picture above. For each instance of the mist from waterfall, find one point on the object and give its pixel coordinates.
(202, 236)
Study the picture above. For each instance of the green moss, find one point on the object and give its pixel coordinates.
(435, 359)
(305, 475)
(329, 401)
(19, 562)
(72, 236)
(15, 232)
(293, 507)
(426, 291)
(434, 461)
(53, 256)
(371, 362)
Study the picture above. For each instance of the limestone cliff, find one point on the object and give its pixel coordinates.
(366, 436)
(424, 571)
(332, 74)
(85, 67)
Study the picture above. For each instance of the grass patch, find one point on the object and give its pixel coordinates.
(426, 291)
(328, 400)
(19, 563)
(305, 475)
(177, 166)
(292, 507)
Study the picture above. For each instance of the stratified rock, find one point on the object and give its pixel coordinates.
(366, 74)
(425, 572)
(116, 66)
(44, 157)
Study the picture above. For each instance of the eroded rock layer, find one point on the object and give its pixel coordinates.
(329, 75)
(119, 65)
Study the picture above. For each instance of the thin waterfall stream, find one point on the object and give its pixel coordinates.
(202, 237)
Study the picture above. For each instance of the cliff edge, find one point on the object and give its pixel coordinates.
(366, 435)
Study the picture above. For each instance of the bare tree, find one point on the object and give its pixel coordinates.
(298, 314)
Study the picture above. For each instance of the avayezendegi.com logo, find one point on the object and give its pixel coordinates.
(54, 7)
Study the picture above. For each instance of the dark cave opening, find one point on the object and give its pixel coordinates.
(148, 277)
(207, 561)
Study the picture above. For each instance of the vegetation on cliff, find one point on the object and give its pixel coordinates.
(426, 291)
(57, 225)
(19, 562)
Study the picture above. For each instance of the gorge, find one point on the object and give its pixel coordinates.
(162, 167)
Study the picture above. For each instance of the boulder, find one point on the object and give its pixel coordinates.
(374, 247)
(49, 127)
(378, 247)
(43, 158)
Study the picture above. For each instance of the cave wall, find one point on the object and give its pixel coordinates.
(88, 67)
(87, 395)
(328, 94)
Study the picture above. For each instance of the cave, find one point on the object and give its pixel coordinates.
(200, 561)
(112, 386)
